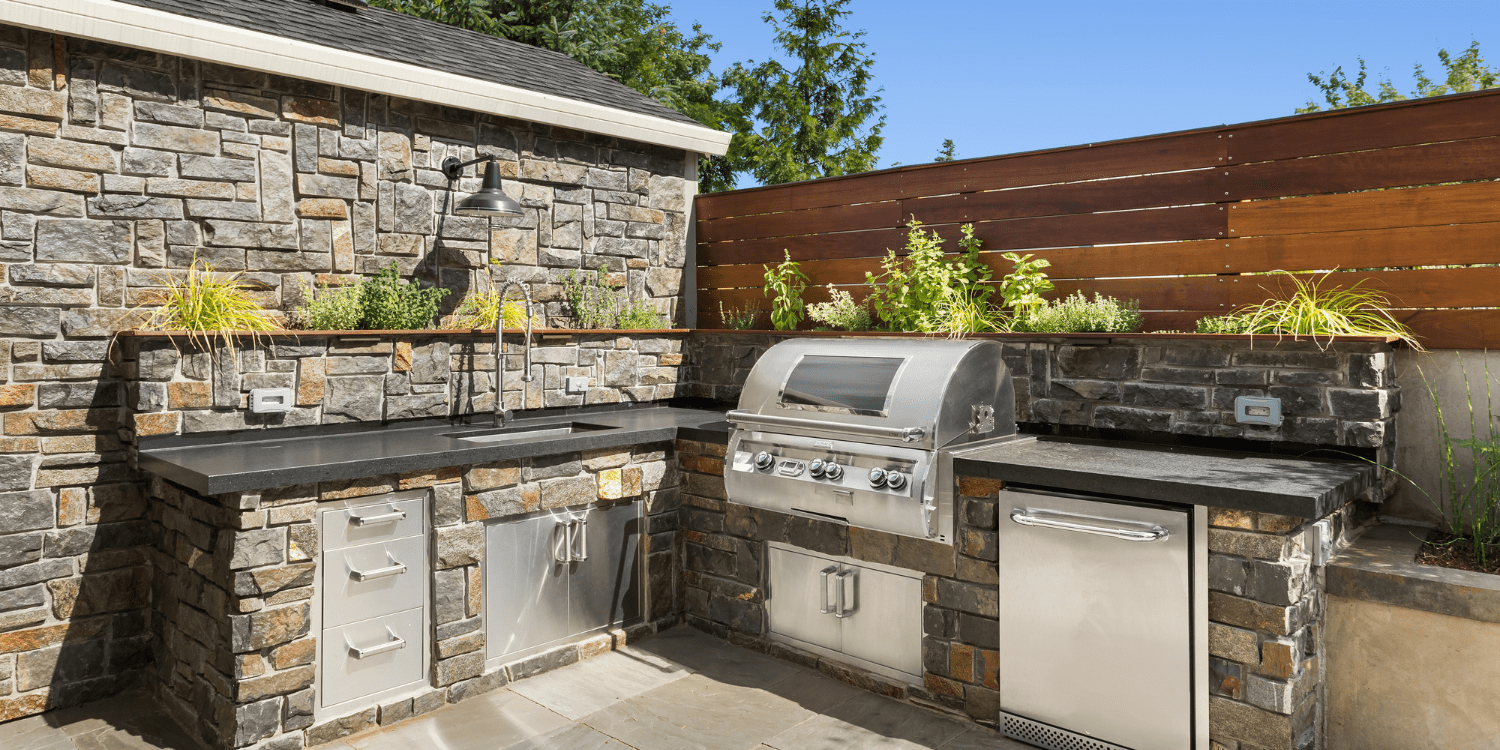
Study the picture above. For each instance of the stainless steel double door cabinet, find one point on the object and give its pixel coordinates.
(867, 614)
(1103, 622)
(557, 574)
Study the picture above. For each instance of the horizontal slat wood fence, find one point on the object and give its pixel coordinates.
(1400, 197)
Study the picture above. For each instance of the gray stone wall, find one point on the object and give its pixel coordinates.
(1341, 395)
(121, 167)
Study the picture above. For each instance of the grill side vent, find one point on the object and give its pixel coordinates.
(1049, 737)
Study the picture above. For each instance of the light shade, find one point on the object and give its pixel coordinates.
(491, 200)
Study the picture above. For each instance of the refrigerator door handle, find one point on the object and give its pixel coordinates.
(824, 573)
(1041, 519)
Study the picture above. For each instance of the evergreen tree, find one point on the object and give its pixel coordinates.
(948, 152)
(817, 120)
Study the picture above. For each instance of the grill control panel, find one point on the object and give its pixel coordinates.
(886, 476)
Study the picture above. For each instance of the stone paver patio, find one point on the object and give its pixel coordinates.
(680, 690)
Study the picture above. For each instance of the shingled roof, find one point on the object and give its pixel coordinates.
(406, 39)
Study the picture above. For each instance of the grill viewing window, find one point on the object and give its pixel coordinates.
(841, 385)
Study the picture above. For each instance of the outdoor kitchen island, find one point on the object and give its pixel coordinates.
(244, 641)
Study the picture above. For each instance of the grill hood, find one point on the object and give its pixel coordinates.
(884, 390)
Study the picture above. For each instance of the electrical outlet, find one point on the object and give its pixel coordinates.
(1257, 410)
(576, 385)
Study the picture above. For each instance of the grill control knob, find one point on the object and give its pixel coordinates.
(877, 477)
(895, 480)
(815, 468)
(833, 471)
(763, 460)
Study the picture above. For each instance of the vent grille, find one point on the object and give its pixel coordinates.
(1049, 737)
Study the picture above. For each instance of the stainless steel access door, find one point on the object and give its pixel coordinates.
(1096, 628)
(606, 583)
(526, 583)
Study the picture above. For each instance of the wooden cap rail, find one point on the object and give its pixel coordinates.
(1188, 223)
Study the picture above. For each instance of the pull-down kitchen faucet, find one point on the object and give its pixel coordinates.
(502, 414)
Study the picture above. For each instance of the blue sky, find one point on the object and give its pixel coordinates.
(1000, 77)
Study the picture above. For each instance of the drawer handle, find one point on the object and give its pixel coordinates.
(395, 515)
(1025, 518)
(369, 575)
(391, 645)
(579, 552)
(823, 574)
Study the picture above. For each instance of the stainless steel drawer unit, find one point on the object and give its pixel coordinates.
(557, 575)
(373, 575)
(860, 431)
(860, 613)
(1103, 622)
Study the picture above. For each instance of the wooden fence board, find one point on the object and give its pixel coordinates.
(1380, 209)
(1147, 191)
(1454, 329)
(1444, 287)
(814, 221)
(1456, 161)
(1420, 121)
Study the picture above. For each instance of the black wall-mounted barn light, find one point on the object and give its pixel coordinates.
(491, 200)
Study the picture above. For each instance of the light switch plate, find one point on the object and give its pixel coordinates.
(576, 385)
(1257, 410)
(270, 400)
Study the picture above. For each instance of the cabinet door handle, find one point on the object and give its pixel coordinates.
(562, 552)
(824, 573)
(394, 515)
(841, 611)
(394, 643)
(369, 575)
(580, 552)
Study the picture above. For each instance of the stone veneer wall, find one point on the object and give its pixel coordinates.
(1341, 395)
(231, 611)
(1266, 603)
(119, 167)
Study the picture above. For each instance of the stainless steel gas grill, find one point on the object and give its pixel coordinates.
(859, 431)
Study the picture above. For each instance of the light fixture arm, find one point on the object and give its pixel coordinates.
(453, 168)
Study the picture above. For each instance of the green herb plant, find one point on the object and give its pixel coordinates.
(594, 302)
(1469, 493)
(920, 290)
(737, 318)
(641, 316)
(330, 307)
(1313, 309)
(1022, 288)
(787, 282)
(389, 304)
(1079, 314)
(208, 305)
(841, 312)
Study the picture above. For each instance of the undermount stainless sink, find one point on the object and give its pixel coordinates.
(513, 434)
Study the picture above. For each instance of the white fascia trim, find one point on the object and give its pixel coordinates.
(134, 26)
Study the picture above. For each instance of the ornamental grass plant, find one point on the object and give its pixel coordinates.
(1469, 490)
(1315, 309)
(479, 309)
(208, 305)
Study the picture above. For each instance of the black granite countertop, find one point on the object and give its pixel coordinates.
(270, 458)
(1284, 485)
(248, 461)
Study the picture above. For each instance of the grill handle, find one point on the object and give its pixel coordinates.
(1023, 516)
(904, 434)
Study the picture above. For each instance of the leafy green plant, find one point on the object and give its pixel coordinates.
(594, 302)
(1079, 314)
(841, 312)
(389, 304)
(787, 282)
(737, 318)
(1022, 288)
(913, 289)
(478, 310)
(1469, 492)
(330, 307)
(208, 304)
(1313, 310)
(641, 316)
(1230, 323)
